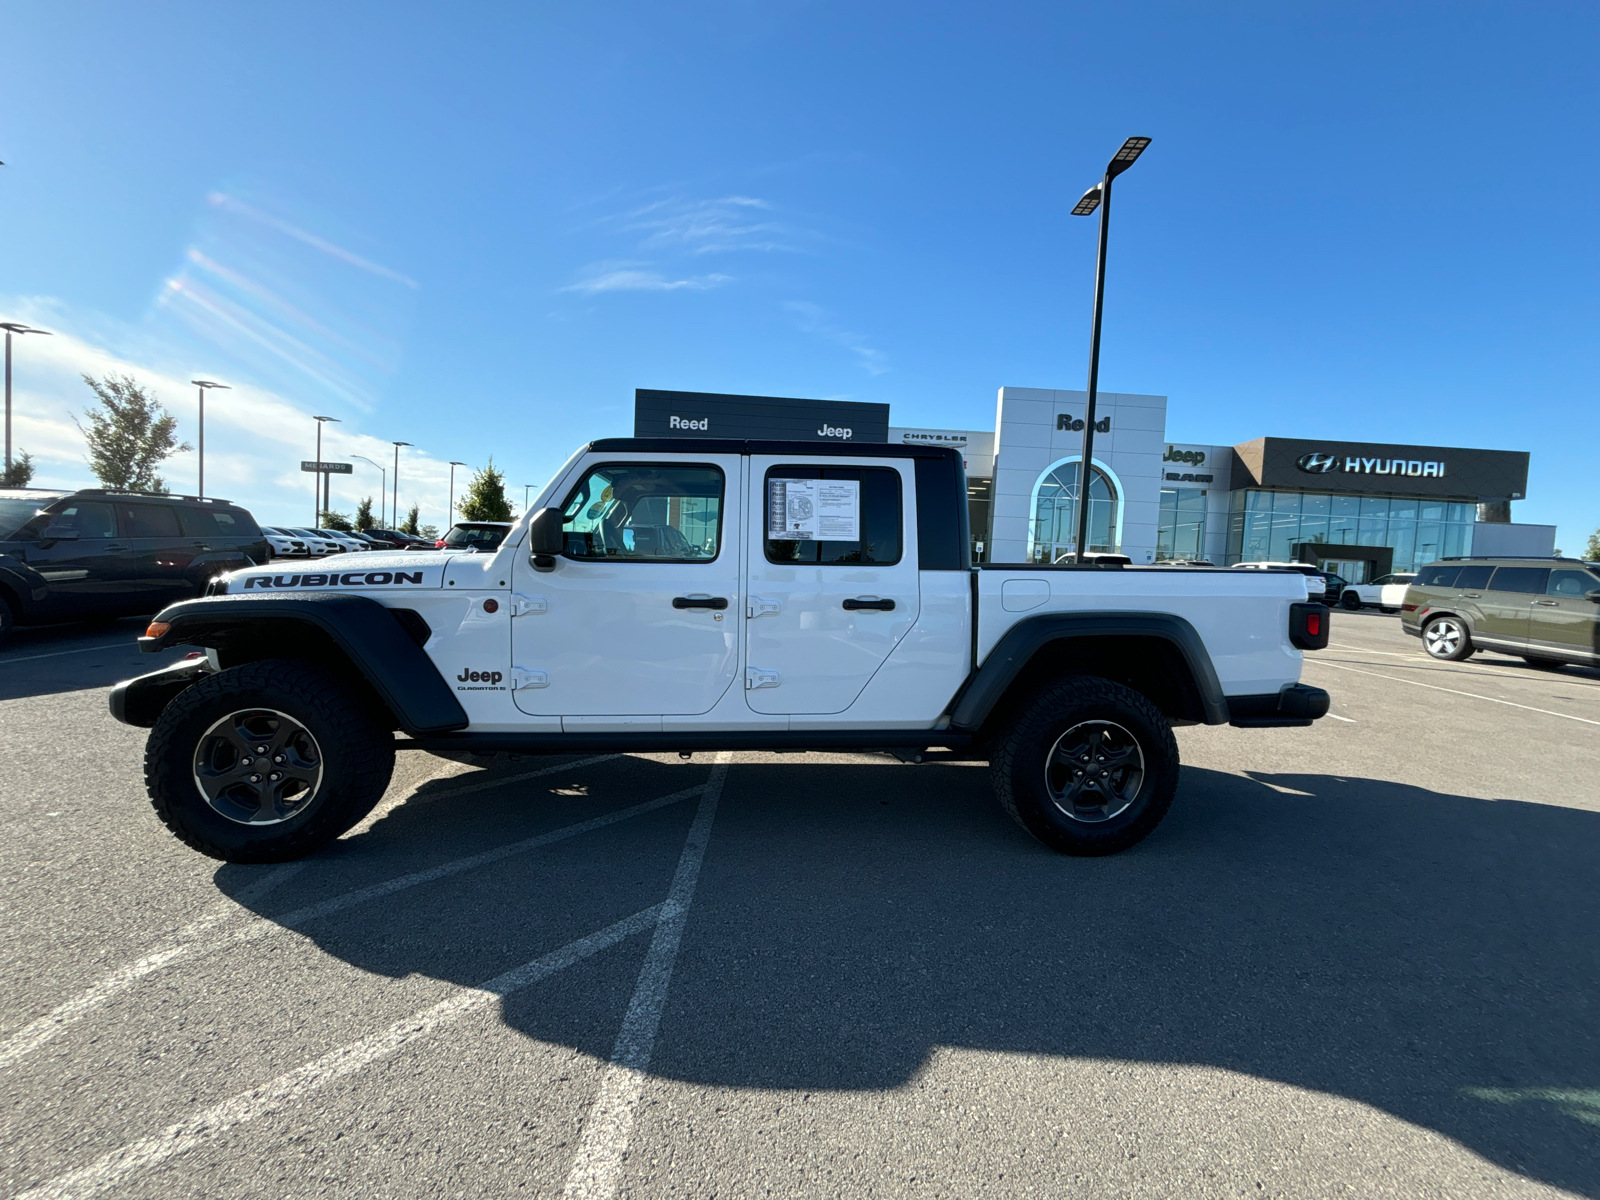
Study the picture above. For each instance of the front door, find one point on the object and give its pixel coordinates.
(1508, 601)
(94, 573)
(641, 613)
(1564, 618)
(833, 580)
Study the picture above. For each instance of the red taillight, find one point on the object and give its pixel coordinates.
(1408, 608)
(439, 545)
(1314, 624)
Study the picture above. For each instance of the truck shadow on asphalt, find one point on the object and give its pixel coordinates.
(1432, 955)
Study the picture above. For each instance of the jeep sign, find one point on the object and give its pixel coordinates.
(758, 418)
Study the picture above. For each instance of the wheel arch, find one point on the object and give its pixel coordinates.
(1159, 655)
(377, 648)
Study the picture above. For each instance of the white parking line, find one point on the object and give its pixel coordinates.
(1453, 691)
(46, 1028)
(1337, 717)
(110, 1169)
(597, 1167)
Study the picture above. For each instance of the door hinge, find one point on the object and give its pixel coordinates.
(522, 678)
(522, 605)
(759, 606)
(756, 677)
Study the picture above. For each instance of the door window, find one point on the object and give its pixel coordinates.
(1474, 578)
(1520, 579)
(1572, 583)
(149, 521)
(641, 512)
(90, 519)
(799, 518)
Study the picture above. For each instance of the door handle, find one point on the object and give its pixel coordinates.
(1472, 595)
(699, 602)
(873, 604)
(1549, 603)
(115, 549)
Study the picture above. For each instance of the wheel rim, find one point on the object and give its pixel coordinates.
(258, 766)
(1094, 771)
(1442, 638)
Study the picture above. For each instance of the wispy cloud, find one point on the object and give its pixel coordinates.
(726, 225)
(814, 319)
(636, 277)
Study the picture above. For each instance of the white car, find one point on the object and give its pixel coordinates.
(320, 544)
(344, 539)
(1316, 589)
(283, 544)
(1388, 592)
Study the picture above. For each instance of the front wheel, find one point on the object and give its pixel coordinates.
(1087, 766)
(1351, 601)
(1447, 639)
(266, 762)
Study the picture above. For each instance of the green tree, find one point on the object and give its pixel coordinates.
(486, 496)
(336, 520)
(409, 525)
(1592, 552)
(20, 472)
(364, 515)
(129, 435)
(431, 532)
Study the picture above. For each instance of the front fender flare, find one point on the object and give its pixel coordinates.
(1024, 639)
(368, 633)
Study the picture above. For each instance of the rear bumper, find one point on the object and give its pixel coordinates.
(1296, 704)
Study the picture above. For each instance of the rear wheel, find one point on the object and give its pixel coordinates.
(1350, 600)
(266, 762)
(1087, 766)
(8, 620)
(1446, 638)
(1544, 664)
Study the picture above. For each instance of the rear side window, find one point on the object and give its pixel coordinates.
(149, 521)
(1439, 577)
(218, 522)
(1572, 583)
(1474, 578)
(642, 512)
(812, 513)
(1520, 579)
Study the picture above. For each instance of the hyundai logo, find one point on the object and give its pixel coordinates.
(1317, 464)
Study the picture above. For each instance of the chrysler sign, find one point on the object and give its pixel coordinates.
(1324, 464)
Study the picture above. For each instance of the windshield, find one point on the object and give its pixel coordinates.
(476, 537)
(17, 511)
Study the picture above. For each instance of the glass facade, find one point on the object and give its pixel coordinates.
(1181, 533)
(1265, 526)
(1055, 514)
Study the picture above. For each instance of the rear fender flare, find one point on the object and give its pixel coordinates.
(377, 645)
(990, 683)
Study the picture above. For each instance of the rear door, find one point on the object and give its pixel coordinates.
(1564, 619)
(163, 553)
(1508, 602)
(833, 581)
(640, 616)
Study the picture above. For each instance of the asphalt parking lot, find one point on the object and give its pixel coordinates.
(1358, 959)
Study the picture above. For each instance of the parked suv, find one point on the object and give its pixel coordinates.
(481, 536)
(68, 556)
(1546, 610)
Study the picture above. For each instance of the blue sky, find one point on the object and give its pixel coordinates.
(478, 227)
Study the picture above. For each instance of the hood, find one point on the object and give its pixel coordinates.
(369, 571)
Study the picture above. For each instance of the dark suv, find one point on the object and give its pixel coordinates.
(67, 556)
(1545, 609)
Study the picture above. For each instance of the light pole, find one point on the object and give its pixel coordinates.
(453, 465)
(383, 488)
(395, 513)
(1099, 196)
(525, 488)
(317, 521)
(18, 328)
(203, 384)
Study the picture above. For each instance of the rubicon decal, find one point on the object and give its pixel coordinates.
(1324, 464)
(335, 579)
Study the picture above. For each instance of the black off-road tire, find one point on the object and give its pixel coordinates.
(1545, 664)
(1020, 760)
(355, 753)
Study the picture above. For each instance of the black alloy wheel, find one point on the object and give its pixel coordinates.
(1350, 600)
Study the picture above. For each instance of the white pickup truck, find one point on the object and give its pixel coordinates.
(682, 595)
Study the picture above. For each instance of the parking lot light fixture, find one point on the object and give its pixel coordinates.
(19, 329)
(204, 385)
(317, 520)
(383, 487)
(1098, 197)
(395, 507)
(452, 511)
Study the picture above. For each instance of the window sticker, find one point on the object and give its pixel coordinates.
(814, 510)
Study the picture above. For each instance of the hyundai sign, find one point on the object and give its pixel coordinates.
(1376, 468)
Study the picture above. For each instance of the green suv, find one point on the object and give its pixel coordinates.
(1545, 609)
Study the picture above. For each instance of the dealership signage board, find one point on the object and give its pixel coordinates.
(1381, 468)
(762, 418)
(976, 446)
(328, 468)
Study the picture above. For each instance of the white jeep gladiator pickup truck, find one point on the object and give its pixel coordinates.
(683, 595)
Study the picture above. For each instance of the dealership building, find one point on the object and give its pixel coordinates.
(1361, 509)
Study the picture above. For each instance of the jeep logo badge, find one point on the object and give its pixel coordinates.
(1317, 464)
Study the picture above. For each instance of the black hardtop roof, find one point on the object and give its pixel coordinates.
(781, 449)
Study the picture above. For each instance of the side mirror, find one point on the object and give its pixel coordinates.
(62, 533)
(546, 538)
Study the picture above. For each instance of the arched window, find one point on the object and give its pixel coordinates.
(1055, 513)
